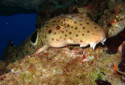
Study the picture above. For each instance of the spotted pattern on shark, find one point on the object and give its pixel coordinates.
(60, 31)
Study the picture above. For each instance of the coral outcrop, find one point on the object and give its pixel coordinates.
(64, 66)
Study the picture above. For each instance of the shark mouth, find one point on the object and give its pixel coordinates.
(93, 45)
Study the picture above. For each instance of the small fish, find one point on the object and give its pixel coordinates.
(60, 31)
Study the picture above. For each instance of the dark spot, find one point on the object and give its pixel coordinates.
(66, 30)
(76, 35)
(47, 26)
(65, 35)
(62, 31)
(52, 39)
(45, 36)
(57, 40)
(71, 26)
(87, 22)
(82, 34)
(88, 31)
(68, 25)
(54, 32)
(76, 28)
(60, 37)
(95, 27)
(34, 37)
(83, 27)
(62, 22)
(75, 22)
(70, 32)
(58, 20)
(49, 31)
(58, 27)
(80, 40)
(70, 38)
(53, 24)
(30, 45)
(80, 24)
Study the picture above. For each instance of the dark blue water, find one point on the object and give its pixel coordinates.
(16, 27)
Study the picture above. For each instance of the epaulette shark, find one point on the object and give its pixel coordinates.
(60, 31)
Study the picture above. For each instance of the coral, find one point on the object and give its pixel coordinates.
(63, 66)
(113, 19)
(121, 65)
(118, 24)
(72, 64)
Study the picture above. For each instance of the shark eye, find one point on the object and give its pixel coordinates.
(34, 37)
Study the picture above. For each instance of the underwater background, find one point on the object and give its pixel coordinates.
(32, 63)
(15, 27)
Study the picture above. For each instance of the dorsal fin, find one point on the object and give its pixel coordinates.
(10, 44)
(10, 47)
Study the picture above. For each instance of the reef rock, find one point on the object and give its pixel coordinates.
(64, 66)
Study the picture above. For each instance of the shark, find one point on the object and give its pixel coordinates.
(60, 31)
